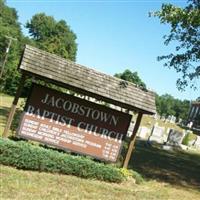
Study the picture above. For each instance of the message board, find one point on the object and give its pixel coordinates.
(74, 124)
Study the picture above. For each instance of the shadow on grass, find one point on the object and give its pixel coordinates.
(4, 111)
(175, 167)
(3, 115)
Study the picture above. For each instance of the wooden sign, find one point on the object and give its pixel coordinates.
(74, 124)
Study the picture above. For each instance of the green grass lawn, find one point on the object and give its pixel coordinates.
(19, 184)
(168, 176)
(149, 122)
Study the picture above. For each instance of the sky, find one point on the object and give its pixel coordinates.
(115, 35)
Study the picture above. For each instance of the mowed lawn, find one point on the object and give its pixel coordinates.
(22, 185)
(168, 175)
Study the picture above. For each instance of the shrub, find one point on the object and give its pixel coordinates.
(138, 178)
(24, 155)
(188, 137)
(133, 174)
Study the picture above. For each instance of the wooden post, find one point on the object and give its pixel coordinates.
(13, 107)
(132, 142)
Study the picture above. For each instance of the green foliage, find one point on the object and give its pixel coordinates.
(167, 105)
(138, 177)
(9, 26)
(128, 173)
(188, 137)
(185, 32)
(132, 77)
(52, 36)
(23, 155)
(47, 34)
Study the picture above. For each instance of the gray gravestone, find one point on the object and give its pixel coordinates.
(175, 137)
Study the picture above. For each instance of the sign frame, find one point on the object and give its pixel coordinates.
(91, 104)
(43, 66)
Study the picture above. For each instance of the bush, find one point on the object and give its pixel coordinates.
(24, 155)
(188, 137)
(133, 174)
(138, 178)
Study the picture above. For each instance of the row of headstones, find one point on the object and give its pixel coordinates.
(169, 119)
(159, 135)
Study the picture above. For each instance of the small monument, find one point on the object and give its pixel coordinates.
(157, 134)
(143, 132)
(197, 142)
(175, 137)
(130, 129)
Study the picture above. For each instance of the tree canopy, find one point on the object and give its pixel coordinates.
(133, 77)
(9, 26)
(185, 32)
(46, 33)
(167, 105)
(52, 36)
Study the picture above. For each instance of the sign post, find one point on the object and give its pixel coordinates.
(13, 107)
(132, 141)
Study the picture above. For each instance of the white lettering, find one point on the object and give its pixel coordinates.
(67, 105)
(95, 114)
(80, 126)
(30, 110)
(45, 99)
(59, 103)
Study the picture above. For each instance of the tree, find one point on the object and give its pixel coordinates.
(167, 105)
(47, 34)
(185, 32)
(52, 36)
(132, 77)
(9, 26)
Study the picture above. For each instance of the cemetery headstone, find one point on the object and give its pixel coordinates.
(143, 132)
(130, 129)
(172, 119)
(157, 134)
(175, 137)
(180, 121)
(197, 142)
(163, 118)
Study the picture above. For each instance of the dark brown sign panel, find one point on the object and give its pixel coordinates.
(74, 124)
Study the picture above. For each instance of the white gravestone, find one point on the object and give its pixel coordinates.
(130, 129)
(197, 142)
(157, 134)
(143, 132)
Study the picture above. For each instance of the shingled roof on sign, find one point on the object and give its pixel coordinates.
(86, 80)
